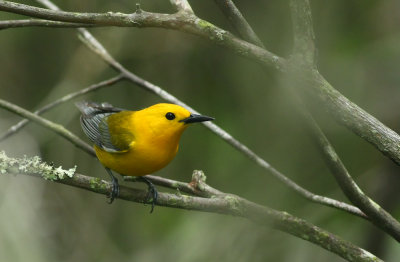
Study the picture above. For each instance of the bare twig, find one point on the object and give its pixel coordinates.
(182, 5)
(304, 40)
(6, 24)
(377, 215)
(197, 186)
(223, 204)
(15, 128)
(238, 22)
(59, 129)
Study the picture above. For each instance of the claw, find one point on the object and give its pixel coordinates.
(115, 187)
(152, 193)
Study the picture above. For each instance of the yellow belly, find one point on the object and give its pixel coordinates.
(138, 161)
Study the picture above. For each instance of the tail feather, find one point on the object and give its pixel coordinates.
(89, 108)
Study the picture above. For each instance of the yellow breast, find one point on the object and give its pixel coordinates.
(140, 161)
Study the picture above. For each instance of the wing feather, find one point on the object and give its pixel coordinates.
(95, 124)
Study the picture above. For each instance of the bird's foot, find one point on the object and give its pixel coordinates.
(152, 193)
(115, 187)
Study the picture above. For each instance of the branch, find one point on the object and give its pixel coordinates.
(196, 187)
(6, 24)
(304, 52)
(227, 204)
(58, 129)
(95, 46)
(182, 5)
(378, 216)
(343, 110)
(231, 11)
(242, 148)
(238, 22)
(183, 21)
(15, 128)
(304, 40)
(352, 116)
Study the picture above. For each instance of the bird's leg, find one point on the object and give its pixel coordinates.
(115, 186)
(151, 192)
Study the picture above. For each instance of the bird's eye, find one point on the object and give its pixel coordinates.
(170, 116)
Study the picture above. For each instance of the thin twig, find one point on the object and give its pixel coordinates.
(182, 5)
(196, 187)
(15, 128)
(6, 24)
(377, 215)
(58, 129)
(223, 204)
(304, 49)
(238, 22)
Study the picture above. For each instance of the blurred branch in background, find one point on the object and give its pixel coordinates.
(221, 203)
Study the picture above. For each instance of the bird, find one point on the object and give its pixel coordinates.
(135, 143)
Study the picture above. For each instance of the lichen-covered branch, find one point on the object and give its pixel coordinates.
(222, 204)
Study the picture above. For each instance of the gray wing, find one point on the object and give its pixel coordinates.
(94, 124)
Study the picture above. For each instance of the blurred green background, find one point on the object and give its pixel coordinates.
(359, 54)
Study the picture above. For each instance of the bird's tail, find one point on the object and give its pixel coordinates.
(89, 108)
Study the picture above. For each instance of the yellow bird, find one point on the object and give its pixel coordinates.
(135, 143)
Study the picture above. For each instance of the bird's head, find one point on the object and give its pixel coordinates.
(167, 120)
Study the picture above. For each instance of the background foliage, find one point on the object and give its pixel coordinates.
(359, 47)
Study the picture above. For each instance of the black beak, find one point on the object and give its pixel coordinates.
(194, 118)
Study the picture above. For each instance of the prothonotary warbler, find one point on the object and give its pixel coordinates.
(135, 143)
